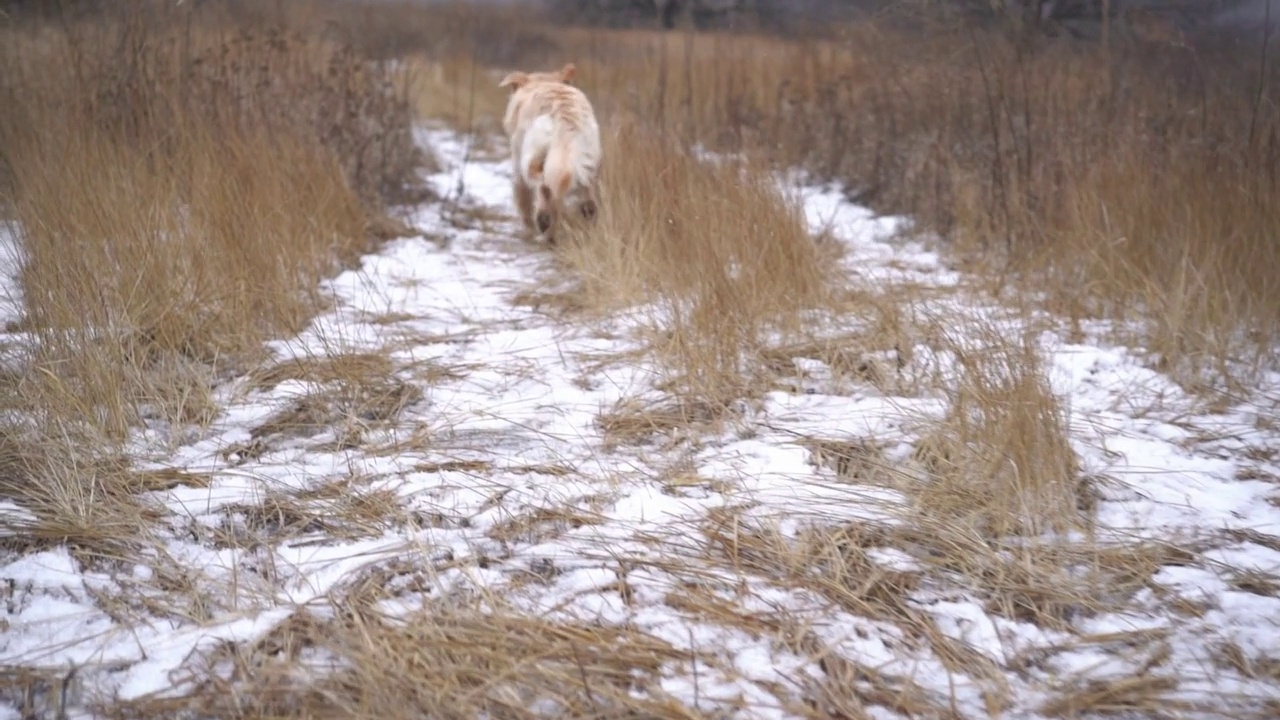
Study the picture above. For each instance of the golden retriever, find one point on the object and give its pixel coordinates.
(555, 148)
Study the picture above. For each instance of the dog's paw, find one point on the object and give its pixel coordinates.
(544, 221)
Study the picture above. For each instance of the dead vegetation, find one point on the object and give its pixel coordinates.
(885, 572)
(333, 513)
(449, 659)
(720, 258)
(1129, 182)
(83, 499)
(181, 184)
(344, 397)
(1004, 438)
(632, 422)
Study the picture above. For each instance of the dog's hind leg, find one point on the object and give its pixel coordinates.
(524, 201)
(546, 218)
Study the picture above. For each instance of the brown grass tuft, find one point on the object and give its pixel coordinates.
(836, 564)
(338, 367)
(1188, 250)
(1229, 655)
(1145, 693)
(722, 258)
(338, 512)
(1000, 463)
(631, 422)
(344, 411)
(82, 498)
(191, 260)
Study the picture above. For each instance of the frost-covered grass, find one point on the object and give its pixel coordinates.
(934, 506)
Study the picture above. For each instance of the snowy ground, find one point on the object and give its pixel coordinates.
(482, 439)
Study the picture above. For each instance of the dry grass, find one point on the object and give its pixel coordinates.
(459, 93)
(631, 422)
(1129, 182)
(147, 283)
(334, 367)
(888, 324)
(1010, 150)
(181, 191)
(178, 182)
(720, 257)
(993, 507)
(1189, 250)
(834, 564)
(337, 512)
(344, 397)
(1003, 442)
(84, 499)
(452, 659)
(1052, 585)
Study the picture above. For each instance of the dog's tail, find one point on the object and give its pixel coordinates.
(537, 144)
(573, 158)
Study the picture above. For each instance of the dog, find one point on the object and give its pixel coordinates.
(555, 149)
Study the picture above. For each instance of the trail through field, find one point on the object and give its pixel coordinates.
(439, 439)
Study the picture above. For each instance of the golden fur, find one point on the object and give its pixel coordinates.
(555, 148)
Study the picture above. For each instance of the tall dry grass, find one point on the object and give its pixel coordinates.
(720, 256)
(161, 152)
(1129, 181)
(179, 183)
(1000, 463)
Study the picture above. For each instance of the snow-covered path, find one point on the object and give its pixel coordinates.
(459, 437)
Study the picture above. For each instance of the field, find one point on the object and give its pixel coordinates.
(913, 370)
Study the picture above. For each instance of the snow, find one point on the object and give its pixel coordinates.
(524, 399)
